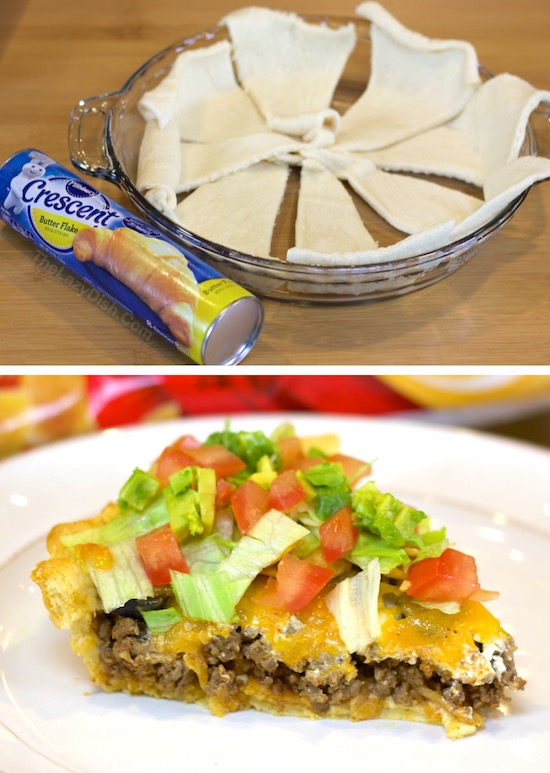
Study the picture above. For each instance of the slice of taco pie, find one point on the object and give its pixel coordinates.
(249, 571)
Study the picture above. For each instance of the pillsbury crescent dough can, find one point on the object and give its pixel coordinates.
(204, 314)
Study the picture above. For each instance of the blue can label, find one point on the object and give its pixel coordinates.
(114, 251)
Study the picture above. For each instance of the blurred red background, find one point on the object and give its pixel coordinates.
(38, 408)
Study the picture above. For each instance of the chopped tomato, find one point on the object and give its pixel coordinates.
(291, 451)
(170, 461)
(218, 458)
(160, 552)
(354, 469)
(185, 442)
(450, 577)
(338, 534)
(286, 491)
(297, 583)
(249, 502)
(224, 490)
(307, 462)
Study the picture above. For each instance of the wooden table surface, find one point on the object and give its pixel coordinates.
(494, 311)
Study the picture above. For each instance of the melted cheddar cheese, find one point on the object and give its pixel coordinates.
(450, 641)
(306, 635)
(409, 633)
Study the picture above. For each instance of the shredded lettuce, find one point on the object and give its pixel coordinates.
(125, 580)
(206, 487)
(138, 491)
(282, 431)
(124, 526)
(191, 510)
(386, 526)
(354, 604)
(369, 546)
(161, 620)
(181, 480)
(447, 607)
(432, 549)
(307, 545)
(205, 555)
(183, 511)
(385, 515)
(217, 581)
(265, 543)
(248, 446)
(204, 596)
(330, 486)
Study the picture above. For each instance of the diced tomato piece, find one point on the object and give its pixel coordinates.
(224, 490)
(160, 552)
(452, 576)
(291, 451)
(218, 458)
(354, 469)
(170, 461)
(185, 442)
(297, 583)
(286, 491)
(249, 502)
(307, 462)
(338, 534)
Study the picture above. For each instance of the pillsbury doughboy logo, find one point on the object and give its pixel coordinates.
(33, 169)
(57, 207)
(79, 189)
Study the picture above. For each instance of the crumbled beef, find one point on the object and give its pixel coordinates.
(125, 648)
(125, 651)
(221, 681)
(222, 649)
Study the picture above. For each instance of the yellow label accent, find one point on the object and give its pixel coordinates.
(57, 230)
(215, 295)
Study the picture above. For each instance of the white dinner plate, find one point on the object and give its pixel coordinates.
(494, 497)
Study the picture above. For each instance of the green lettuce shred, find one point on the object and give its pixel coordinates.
(330, 486)
(161, 620)
(138, 491)
(191, 510)
(282, 431)
(386, 526)
(248, 446)
(204, 555)
(124, 526)
(183, 511)
(385, 515)
(369, 546)
(126, 579)
(204, 596)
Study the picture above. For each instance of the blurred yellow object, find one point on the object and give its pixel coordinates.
(37, 409)
(440, 392)
(328, 444)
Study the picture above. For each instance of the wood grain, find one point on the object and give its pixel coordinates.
(493, 311)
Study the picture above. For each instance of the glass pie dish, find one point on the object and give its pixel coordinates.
(105, 134)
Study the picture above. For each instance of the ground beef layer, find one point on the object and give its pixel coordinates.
(231, 663)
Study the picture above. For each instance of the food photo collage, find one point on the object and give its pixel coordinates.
(274, 385)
